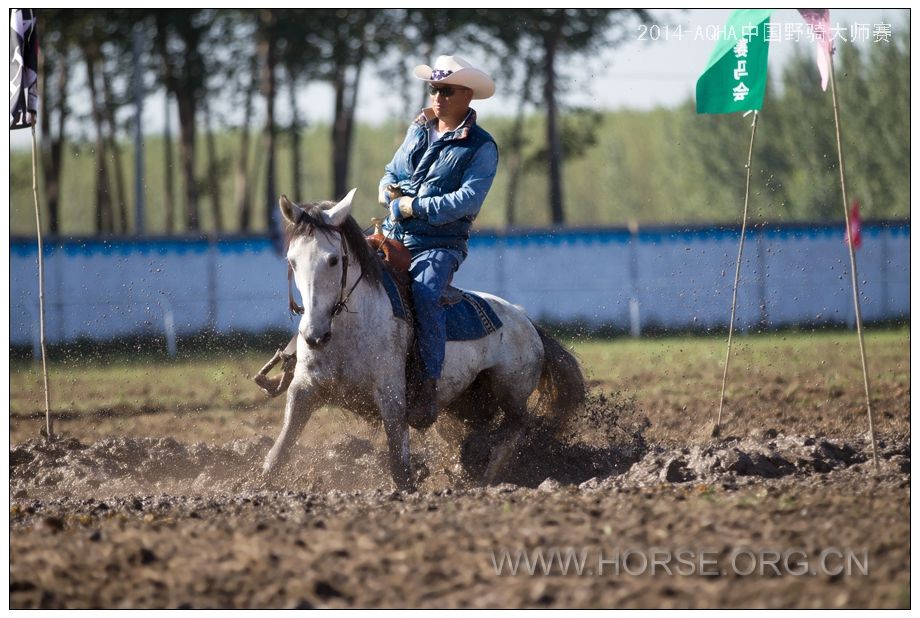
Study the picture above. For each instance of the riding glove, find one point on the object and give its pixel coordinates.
(401, 208)
(388, 193)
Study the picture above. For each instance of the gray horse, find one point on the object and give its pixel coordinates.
(351, 353)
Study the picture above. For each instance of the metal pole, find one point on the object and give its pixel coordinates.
(41, 288)
(854, 278)
(731, 324)
(138, 135)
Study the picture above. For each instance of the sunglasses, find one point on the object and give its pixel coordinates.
(445, 91)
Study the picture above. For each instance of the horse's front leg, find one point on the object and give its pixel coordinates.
(302, 401)
(391, 402)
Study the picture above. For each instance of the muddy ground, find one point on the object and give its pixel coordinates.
(161, 506)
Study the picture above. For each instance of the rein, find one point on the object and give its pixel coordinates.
(342, 304)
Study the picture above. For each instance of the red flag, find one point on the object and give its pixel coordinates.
(820, 22)
(855, 226)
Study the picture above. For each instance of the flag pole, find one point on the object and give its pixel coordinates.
(717, 430)
(41, 289)
(854, 278)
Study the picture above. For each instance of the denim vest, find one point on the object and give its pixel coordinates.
(441, 170)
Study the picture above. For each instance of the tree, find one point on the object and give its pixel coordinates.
(179, 38)
(242, 77)
(268, 59)
(346, 38)
(425, 28)
(546, 37)
(92, 57)
(57, 58)
(515, 143)
(214, 167)
(298, 55)
(115, 57)
(169, 178)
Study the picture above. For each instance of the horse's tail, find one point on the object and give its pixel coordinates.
(562, 386)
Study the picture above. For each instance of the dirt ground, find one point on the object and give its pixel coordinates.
(152, 499)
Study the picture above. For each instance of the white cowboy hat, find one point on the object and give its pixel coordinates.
(455, 70)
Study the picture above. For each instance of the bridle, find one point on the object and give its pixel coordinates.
(342, 304)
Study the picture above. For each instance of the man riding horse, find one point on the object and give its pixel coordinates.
(434, 187)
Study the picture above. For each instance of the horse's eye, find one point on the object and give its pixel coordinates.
(333, 260)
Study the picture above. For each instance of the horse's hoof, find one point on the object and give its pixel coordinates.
(272, 386)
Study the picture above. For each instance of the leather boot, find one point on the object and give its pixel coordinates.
(277, 385)
(423, 412)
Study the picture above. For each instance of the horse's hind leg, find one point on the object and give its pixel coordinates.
(301, 403)
(512, 432)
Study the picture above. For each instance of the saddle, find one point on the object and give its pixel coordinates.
(397, 260)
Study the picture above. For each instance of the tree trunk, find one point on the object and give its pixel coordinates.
(169, 194)
(294, 131)
(346, 96)
(104, 223)
(53, 142)
(551, 41)
(515, 148)
(186, 101)
(186, 104)
(350, 115)
(339, 166)
(114, 150)
(430, 38)
(242, 185)
(214, 174)
(267, 55)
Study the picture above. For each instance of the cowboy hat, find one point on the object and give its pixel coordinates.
(457, 71)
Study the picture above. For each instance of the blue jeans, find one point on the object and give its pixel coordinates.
(431, 271)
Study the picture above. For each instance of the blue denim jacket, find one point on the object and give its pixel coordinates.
(449, 181)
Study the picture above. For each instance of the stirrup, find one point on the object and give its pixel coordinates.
(277, 385)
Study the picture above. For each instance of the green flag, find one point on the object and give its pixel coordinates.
(736, 75)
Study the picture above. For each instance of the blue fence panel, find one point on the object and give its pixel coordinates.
(658, 277)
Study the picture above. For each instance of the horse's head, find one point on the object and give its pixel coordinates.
(317, 255)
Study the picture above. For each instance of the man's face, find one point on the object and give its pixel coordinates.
(448, 101)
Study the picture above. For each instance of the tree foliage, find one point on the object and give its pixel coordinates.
(654, 166)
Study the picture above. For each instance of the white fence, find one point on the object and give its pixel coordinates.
(661, 278)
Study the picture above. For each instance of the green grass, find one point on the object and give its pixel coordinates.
(795, 382)
(803, 382)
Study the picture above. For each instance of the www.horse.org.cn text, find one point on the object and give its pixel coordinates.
(663, 562)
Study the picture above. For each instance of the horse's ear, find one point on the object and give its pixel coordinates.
(289, 210)
(338, 214)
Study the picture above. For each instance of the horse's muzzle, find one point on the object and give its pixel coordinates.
(318, 342)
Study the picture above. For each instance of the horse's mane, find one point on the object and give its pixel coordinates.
(310, 219)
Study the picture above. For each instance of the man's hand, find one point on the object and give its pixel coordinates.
(388, 194)
(401, 208)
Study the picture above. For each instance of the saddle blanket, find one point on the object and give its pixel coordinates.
(471, 318)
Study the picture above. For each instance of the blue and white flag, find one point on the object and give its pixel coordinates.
(23, 68)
